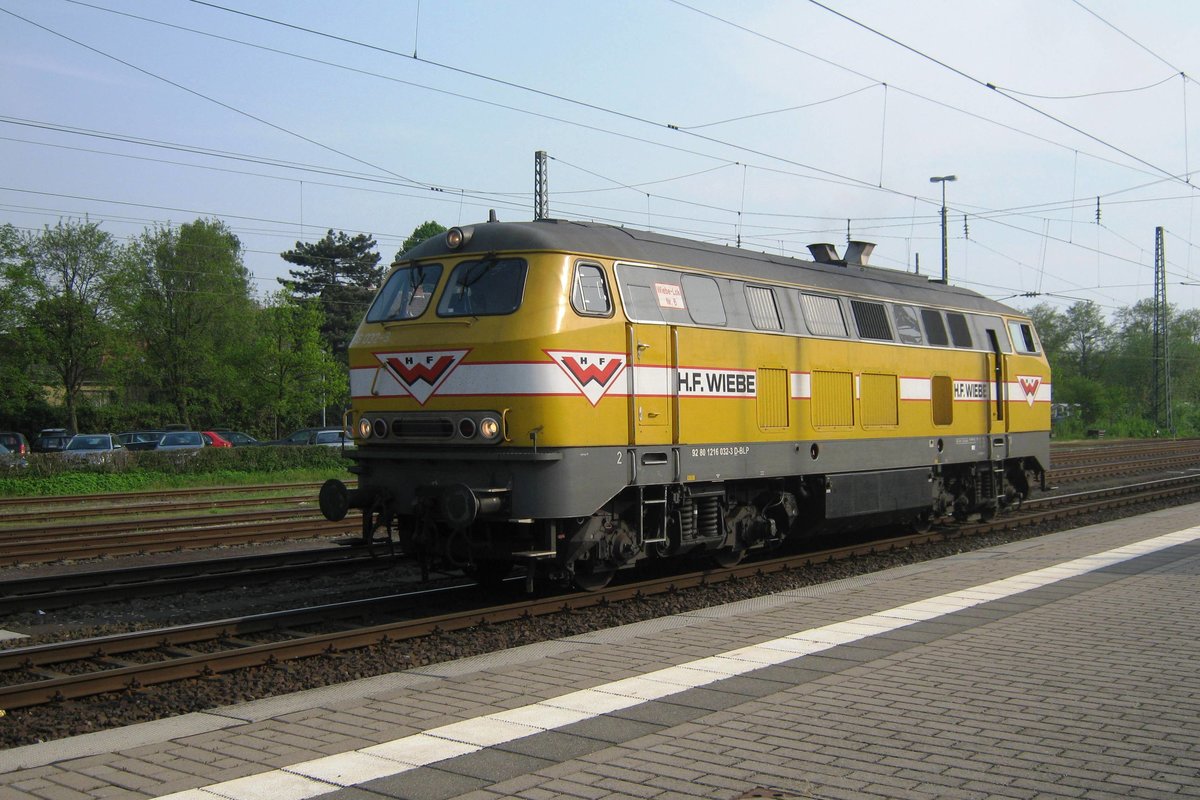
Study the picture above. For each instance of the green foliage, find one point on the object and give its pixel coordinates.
(50, 474)
(187, 313)
(1051, 326)
(422, 232)
(20, 393)
(1091, 397)
(295, 374)
(1088, 335)
(71, 269)
(342, 272)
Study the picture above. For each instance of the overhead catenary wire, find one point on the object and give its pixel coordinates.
(203, 96)
(746, 211)
(361, 44)
(993, 87)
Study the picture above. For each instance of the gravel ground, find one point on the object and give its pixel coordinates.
(68, 718)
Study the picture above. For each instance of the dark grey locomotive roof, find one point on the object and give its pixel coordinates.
(628, 244)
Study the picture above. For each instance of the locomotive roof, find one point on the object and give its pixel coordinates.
(629, 244)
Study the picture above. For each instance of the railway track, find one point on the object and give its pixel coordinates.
(65, 590)
(1082, 462)
(153, 522)
(95, 540)
(50, 672)
(34, 546)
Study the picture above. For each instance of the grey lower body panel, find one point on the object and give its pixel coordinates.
(556, 483)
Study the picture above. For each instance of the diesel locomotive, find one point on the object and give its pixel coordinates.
(575, 397)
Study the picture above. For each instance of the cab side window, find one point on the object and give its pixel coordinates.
(1022, 336)
(935, 328)
(907, 327)
(589, 292)
(960, 332)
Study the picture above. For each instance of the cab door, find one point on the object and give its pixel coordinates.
(651, 384)
(997, 372)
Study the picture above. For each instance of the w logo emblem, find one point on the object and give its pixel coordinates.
(592, 373)
(421, 374)
(1029, 385)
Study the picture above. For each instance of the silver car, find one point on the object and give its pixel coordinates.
(181, 440)
(92, 446)
(11, 460)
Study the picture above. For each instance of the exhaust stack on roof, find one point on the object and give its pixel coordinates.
(824, 253)
(858, 253)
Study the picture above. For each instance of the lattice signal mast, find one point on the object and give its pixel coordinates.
(541, 185)
(1163, 418)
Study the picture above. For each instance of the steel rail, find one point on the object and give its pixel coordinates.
(49, 592)
(75, 500)
(162, 506)
(159, 541)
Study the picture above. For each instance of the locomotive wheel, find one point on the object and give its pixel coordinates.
(728, 557)
(591, 577)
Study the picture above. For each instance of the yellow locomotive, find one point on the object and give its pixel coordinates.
(576, 397)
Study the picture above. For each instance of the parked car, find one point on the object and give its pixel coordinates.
(324, 436)
(332, 438)
(92, 446)
(52, 440)
(11, 460)
(237, 438)
(214, 439)
(141, 440)
(300, 437)
(181, 440)
(16, 442)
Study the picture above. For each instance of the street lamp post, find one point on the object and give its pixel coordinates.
(943, 180)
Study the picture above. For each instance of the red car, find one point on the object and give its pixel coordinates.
(214, 439)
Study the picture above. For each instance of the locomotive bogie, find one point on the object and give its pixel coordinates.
(615, 396)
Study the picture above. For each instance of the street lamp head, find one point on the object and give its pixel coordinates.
(943, 178)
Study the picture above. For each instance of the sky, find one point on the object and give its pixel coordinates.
(769, 124)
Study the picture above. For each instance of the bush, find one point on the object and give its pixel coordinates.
(51, 474)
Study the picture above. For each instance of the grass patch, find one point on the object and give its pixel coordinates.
(50, 475)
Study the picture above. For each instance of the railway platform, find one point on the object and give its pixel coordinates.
(1062, 666)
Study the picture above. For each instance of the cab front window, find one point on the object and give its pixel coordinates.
(406, 293)
(486, 287)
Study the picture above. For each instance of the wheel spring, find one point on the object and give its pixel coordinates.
(709, 521)
(687, 520)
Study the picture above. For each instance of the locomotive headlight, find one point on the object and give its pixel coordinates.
(364, 428)
(489, 428)
(380, 428)
(457, 237)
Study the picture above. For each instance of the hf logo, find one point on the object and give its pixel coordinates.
(422, 373)
(592, 373)
(1029, 385)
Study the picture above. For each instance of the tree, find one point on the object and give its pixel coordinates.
(342, 272)
(1088, 335)
(71, 267)
(1185, 358)
(1051, 326)
(16, 298)
(188, 310)
(296, 375)
(420, 233)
